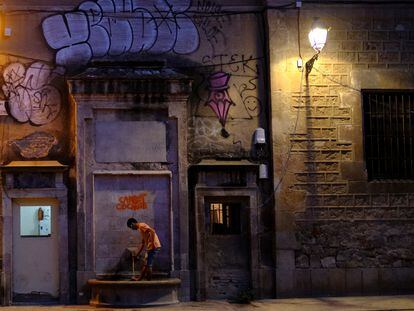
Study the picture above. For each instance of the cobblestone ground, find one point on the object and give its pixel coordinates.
(379, 303)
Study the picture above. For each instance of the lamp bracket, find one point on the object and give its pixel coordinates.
(309, 63)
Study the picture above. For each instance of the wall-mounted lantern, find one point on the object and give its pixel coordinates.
(317, 35)
(317, 38)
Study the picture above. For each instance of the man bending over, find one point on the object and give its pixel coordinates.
(151, 243)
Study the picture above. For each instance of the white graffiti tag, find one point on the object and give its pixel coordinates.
(29, 93)
(115, 27)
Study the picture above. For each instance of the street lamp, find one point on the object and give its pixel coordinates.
(317, 38)
(317, 35)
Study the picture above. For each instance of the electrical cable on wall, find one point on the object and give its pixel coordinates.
(289, 153)
(299, 62)
(286, 163)
(29, 58)
(325, 75)
(177, 67)
(357, 2)
(289, 5)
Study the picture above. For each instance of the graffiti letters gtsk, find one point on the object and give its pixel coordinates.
(31, 97)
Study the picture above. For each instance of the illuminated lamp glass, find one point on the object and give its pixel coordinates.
(317, 36)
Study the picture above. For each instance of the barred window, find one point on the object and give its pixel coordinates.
(388, 134)
(224, 218)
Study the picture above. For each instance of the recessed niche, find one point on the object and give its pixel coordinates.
(35, 220)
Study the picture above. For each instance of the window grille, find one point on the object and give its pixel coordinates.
(224, 218)
(388, 134)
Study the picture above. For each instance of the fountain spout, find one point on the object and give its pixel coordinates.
(134, 252)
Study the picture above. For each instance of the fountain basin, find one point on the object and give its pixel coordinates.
(127, 293)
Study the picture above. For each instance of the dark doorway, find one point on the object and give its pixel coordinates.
(227, 246)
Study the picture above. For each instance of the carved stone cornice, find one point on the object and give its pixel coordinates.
(155, 81)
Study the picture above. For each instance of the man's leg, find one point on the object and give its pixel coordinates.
(150, 260)
(149, 273)
(144, 267)
(143, 272)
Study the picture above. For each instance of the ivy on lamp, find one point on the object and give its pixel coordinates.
(317, 38)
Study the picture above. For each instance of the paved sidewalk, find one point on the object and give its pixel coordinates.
(379, 303)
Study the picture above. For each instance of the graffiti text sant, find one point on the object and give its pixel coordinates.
(132, 202)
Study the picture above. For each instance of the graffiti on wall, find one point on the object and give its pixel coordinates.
(36, 145)
(30, 94)
(132, 202)
(116, 27)
(243, 79)
(219, 99)
(237, 75)
(211, 21)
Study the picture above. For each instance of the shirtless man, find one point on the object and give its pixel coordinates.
(151, 243)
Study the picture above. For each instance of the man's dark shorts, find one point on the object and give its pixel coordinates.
(151, 254)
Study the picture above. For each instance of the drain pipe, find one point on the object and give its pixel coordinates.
(171, 228)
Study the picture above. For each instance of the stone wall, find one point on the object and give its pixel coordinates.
(215, 37)
(211, 38)
(336, 232)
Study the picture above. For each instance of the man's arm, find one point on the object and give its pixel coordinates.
(142, 247)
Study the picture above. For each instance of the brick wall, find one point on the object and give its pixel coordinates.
(337, 233)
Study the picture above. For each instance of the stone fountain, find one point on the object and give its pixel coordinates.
(120, 290)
